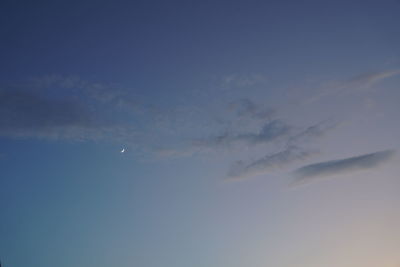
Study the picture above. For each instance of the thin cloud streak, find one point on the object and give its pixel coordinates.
(314, 171)
(368, 79)
(241, 170)
(362, 81)
(314, 131)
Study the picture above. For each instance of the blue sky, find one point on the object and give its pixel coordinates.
(256, 133)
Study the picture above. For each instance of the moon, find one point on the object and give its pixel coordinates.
(123, 150)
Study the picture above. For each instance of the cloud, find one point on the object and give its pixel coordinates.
(30, 114)
(361, 81)
(70, 108)
(239, 81)
(241, 170)
(271, 131)
(327, 168)
(366, 80)
(246, 108)
(292, 153)
(314, 131)
(275, 133)
(67, 107)
(99, 92)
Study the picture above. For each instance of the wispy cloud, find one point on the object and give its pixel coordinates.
(241, 170)
(57, 107)
(269, 132)
(358, 82)
(265, 128)
(241, 80)
(290, 148)
(70, 108)
(246, 108)
(24, 114)
(366, 80)
(312, 132)
(312, 172)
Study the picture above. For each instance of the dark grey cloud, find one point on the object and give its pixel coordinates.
(241, 170)
(30, 114)
(314, 131)
(292, 153)
(327, 168)
(271, 131)
(68, 107)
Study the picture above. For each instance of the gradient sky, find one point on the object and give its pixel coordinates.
(256, 133)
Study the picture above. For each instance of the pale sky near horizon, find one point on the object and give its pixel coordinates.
(256, 133)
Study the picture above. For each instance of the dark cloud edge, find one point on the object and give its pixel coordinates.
(316, 171)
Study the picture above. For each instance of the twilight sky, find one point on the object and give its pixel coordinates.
(256, 133)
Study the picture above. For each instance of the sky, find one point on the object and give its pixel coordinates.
(200, 133)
